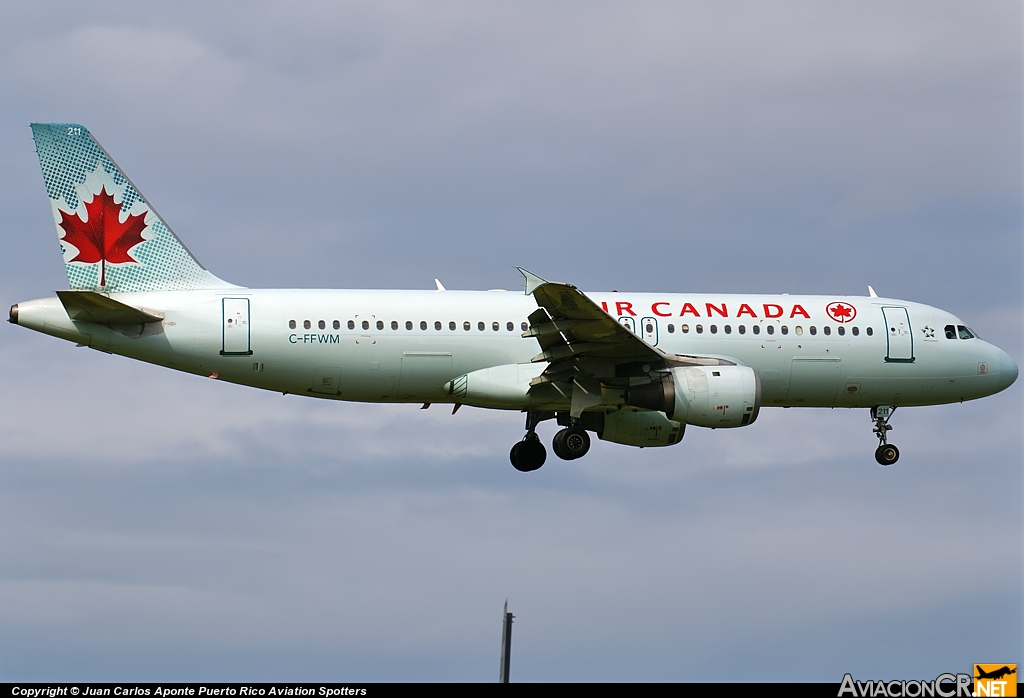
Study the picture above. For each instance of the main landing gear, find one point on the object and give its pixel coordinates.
(886, 453)
(529, 454)
(571, 443)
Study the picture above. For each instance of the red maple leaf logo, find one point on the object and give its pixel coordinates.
(841, 312)
(103, 238)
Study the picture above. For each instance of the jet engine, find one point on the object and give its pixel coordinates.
(705, 396)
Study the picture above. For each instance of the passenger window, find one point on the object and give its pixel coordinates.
(714, 329)
(728, 329)
(480, 326)
(408, 324)
(856, 331)
(785, 329)
(351, 325)
(841, 330)
(322, 325)
(671, 328)
(770, 329)
(743, 329)
(466, 326)
(684, 328)
(394, 324)
(423, 324)
(305, 324)
(366, 324)
(525, 327)
(869, 331)
(495, 326)
(950, 331)
(756, 329)
(336, 324)
(799, 330)
(451, 325)
(510, 326)
(826, 330)
(814, 330)
(700, 329)
(291, 324)
(437, 325)
(964, 332)
(380, 324)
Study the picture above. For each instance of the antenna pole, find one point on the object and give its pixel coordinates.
(506, 644)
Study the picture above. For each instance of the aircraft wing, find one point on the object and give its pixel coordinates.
(583, 343)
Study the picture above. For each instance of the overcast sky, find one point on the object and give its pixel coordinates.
(159, 526)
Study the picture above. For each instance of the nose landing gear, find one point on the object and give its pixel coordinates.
(886, 453)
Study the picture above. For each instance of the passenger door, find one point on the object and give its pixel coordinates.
(235, 327)
(899, 338)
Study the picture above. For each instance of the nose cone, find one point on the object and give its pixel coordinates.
(1007, 370)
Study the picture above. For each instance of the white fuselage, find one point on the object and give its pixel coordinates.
(405, 346)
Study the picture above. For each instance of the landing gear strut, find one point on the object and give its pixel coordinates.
(529, 454)
(886, 453)
(571, 443)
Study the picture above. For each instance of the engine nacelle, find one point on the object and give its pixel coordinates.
(705, 396)
(640, 429)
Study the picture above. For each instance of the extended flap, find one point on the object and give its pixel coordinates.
(95, 307)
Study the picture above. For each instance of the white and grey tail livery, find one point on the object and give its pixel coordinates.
(111, 238)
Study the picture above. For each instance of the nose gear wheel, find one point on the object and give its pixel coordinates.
(887, 454)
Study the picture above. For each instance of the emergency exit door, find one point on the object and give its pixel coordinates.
(649, 326)
(235, 327)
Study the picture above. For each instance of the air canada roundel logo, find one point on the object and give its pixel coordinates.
(841, 312)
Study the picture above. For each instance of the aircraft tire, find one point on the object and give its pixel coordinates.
(887, 454)
(528, 455)
(571, 443)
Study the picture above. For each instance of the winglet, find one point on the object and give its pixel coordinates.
(532, 280)
(871, 292)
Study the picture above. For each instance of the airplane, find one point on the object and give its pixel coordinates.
(631, 368)
(995, 674)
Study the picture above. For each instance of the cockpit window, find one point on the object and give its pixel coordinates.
(950, 331)
(964, 332)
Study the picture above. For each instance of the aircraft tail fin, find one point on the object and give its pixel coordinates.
(111, 237)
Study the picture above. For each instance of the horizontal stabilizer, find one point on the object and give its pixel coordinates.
(95, 307)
